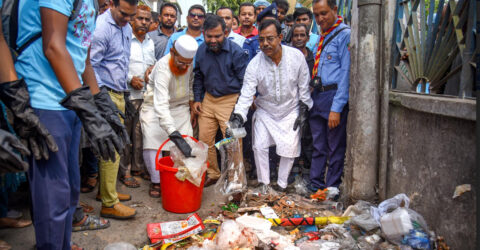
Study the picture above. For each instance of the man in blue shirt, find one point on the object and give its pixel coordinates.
(195, 19)
(328, 117)
(54, 68)
(219, 68)
(110, 56)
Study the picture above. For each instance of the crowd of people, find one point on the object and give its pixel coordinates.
(95, 87)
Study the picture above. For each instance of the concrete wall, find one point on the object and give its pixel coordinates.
(431, 150)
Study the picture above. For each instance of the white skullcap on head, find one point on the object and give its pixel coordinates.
(186, 46)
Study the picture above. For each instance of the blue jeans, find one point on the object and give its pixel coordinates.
(55, 183)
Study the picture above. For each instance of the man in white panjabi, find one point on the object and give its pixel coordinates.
(279, 74)
(165, 112)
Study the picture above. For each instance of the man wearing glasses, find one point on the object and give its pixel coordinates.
(110, 56)
(280, 76)
(195, 19)
(219, 68)
(166, 109)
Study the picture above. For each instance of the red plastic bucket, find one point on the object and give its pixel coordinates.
(177, 196)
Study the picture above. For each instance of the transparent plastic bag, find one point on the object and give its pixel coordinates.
(233, 178)
(300, 185)
(190, 168)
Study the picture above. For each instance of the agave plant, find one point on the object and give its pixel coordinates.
(430, 39)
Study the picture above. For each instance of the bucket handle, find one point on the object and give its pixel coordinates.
(165, 142)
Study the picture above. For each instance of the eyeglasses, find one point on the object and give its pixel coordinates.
(193, 15)
(269, 39)
(180, 62)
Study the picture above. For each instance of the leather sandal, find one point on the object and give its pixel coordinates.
(130, 181)
(90, 222)
(154, 191)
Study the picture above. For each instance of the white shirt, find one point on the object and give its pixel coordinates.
(280, 87)
(142, 56)
(236, 38)
(166, 91)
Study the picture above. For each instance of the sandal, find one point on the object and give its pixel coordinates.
(14, 223)
(136, 173)
(91, 222)
(86, 208)
(74, 246)
(154, 191)
(4, 245)
(90, 184)
(130, 181)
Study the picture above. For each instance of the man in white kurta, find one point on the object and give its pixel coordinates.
(166, 109)
(279, 75)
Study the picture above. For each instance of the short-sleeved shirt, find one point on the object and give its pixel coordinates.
(160, 40)
(176, 35)
(44, 88)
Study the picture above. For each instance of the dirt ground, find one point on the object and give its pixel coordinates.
(149, 210)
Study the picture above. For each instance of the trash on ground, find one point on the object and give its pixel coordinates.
(173, 231)
(262, 218)
(461, 189)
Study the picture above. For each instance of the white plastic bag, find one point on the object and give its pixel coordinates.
(233, 178)
(191, 168)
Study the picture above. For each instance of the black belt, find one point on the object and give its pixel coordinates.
(115, 91)
(327, 87)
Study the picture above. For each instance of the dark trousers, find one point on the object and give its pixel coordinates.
(328, 144)
(55, 183)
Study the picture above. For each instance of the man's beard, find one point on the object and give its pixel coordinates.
(175, 70)
(167, 26)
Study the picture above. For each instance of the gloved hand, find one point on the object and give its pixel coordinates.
(236, 121)
(110, 112)
(102, 138)
(10, 161)
(26, 123)
(302, 117)
(177, 138)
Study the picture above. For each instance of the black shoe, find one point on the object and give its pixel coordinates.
(279, 189)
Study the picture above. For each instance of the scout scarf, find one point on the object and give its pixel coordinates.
(320, 45)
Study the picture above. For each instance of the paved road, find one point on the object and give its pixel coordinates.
(132, 231)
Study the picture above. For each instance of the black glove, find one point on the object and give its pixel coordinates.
(102, 138)
(110, 112)
(302, 118)
(10, 161)
(177, 138)
(26, 123)
(236, 121)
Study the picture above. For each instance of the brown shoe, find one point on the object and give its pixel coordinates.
(118, 211)
(121, 197)
(209, 181)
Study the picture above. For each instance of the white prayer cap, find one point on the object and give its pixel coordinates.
(186, 46)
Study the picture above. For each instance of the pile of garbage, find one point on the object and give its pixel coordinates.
(265, 219)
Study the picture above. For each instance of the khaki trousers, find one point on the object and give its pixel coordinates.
(216, 112)
(108, 169)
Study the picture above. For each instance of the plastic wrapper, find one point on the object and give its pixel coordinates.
(233, 178)
(300, 185)
(399, 200)
(417, 240)
(363, 217)
(190, 168)
(120, 246)
(233, 234)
